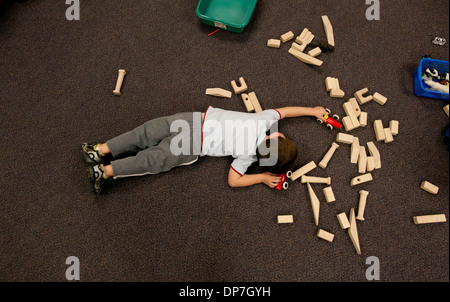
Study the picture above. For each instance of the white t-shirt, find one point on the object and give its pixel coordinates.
(236, 134)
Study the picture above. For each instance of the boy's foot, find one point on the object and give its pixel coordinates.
(91, 153)
(97, 177)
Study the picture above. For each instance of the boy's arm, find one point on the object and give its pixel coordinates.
(297, 111)
(237, 180)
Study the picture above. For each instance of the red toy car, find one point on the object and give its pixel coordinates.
(331, 122)
(283, 184)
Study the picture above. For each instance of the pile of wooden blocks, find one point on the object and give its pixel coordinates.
(358, 155)
(344, 222)
(355, 117)
(302, 41)
(365, 163)
(250, 100)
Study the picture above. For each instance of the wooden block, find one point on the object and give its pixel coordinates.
(303, 170)
(344, 138)
(373, 151)
(393, 125)
(363, 119)
(285, 219)
(429, 187)
(362, 204)
(325, 235)
(247, 102)
(326, 159)
(287, 36)
(315, 204)
(304, 39)
(370, 163)
(355, 150)
(361, 179)
(316, 180)
(446, 110)
(119, 81)
(297, 47)
(315, 52)
(347, 122)
(388, 135)
(343, 221)
(274, 43)
(330, 83)
(337, 93)
(353, 232)
(255, 102)
(379, 130)
(218, 92)
(359, 95)
(241, 88)
(329, 195)
(430, 219)
(334, 88)
(350, 111)
(336, 83)
(379, 98)
(355, 106)
(305, 58)
(328, 30)
(362, 161)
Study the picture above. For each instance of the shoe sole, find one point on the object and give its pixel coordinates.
(91, 176)
(87, 158)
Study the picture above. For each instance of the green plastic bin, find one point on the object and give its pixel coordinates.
(231, 15)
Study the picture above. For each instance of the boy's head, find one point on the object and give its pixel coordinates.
(286, 152)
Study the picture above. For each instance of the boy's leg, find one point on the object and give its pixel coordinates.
(104, 149)
(108, 170)
(153, 160)
(147, 135)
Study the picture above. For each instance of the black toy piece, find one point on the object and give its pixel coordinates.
(324, 46)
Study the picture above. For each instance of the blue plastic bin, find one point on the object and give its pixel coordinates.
(420, 88)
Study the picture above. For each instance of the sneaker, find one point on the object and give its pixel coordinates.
(96, 175)
(91, 154)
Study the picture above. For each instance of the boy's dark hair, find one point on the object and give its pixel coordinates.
(288, 155)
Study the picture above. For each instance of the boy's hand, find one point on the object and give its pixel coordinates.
(270, 179)
(319, 112)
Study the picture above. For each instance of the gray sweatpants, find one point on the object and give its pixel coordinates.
(147, 148)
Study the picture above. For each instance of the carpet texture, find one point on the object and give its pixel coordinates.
(188, 224)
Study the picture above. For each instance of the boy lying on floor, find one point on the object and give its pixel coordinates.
(180, 139)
